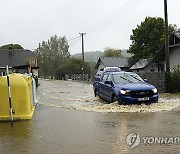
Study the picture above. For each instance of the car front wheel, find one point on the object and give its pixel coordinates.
(113, 98)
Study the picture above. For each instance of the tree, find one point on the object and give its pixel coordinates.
(72, 66)
(54, 59)
(111, 52)
(11, 46)
(173, 80)
(51, 54)
(148, 37)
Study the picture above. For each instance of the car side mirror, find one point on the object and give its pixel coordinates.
(146, 80)
(108, 82)
(97, 79)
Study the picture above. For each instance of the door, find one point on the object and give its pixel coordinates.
(108, 89)
(102, 85)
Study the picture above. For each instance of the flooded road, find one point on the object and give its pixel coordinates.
(69, 119)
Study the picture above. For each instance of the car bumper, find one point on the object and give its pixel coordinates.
(124, 99)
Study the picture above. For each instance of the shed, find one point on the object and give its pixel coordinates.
(145, 65)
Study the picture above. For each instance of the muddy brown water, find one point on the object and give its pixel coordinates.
(69, 119)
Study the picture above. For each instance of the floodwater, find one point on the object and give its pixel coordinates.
(70, 120)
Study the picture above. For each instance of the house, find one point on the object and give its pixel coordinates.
(157, 64)
(174, 53)
(18, 60)
(145, 65)
(123, 63)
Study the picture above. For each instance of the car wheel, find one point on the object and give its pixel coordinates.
(114, 98)
(96, 93)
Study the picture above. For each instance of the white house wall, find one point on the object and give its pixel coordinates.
(148, 68)
(174, 58)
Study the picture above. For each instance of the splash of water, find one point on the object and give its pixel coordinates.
(92, 104)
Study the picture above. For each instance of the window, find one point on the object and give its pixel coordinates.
(104, 78)
(109, 78)
(127, 78)
(152, 70)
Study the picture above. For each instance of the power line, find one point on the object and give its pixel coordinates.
(121, 11)
(109, 17)
(74, 41)
(74, 38)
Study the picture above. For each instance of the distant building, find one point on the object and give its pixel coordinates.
(18, 60)
(123, 63)
(174, 53)
(145, 65)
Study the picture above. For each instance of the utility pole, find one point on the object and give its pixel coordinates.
(166, 37)
(82, 68)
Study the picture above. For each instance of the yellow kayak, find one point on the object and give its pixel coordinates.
(23, 96)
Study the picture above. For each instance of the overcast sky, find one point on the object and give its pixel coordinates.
(107, 23)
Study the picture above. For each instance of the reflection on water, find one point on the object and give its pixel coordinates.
(13, 137)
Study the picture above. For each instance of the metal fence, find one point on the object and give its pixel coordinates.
(79, 77)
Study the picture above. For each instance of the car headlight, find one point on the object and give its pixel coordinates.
(124, 92)
(154, 90)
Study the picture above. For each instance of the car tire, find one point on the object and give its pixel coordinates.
(96, 93)
(113, 98)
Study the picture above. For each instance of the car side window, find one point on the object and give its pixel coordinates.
(104, 78)
(109, 77)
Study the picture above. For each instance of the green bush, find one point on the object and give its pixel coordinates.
(173, 80)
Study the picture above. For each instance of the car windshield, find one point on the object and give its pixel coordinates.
(124, 78)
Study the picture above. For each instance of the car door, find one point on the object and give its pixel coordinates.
(102, 85)
(108, 89)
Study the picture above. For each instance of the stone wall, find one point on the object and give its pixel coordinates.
(158, 79)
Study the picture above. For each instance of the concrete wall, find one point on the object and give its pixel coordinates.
(157, 79)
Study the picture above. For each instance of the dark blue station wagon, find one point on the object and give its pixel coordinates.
(124, 87)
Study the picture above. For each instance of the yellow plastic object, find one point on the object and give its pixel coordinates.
(22, 97)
